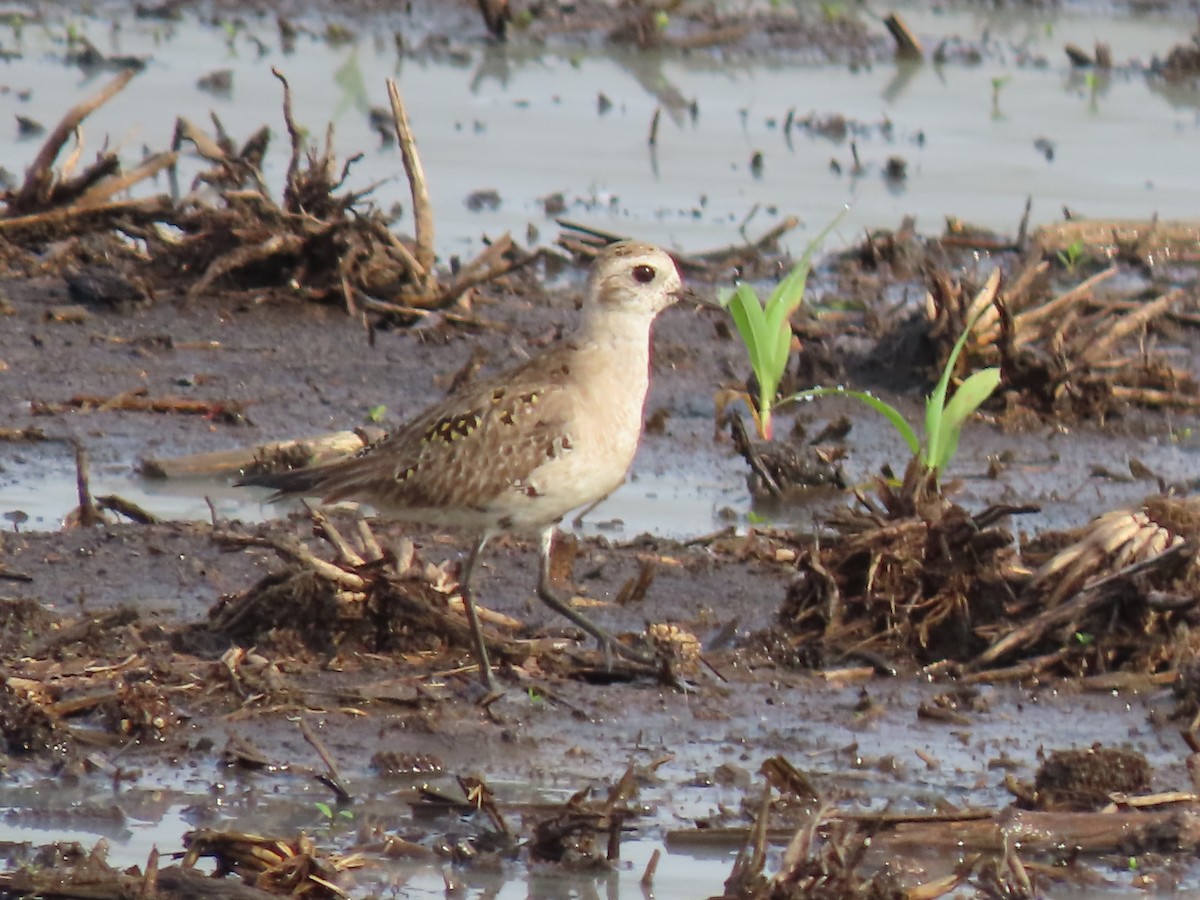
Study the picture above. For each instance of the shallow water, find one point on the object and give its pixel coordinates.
(525, 122)
(867, 763)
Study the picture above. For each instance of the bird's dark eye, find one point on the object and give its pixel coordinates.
(643, 274)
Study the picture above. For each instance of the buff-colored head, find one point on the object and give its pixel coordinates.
(632, 277)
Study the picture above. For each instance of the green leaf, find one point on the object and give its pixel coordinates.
(760, 343)
(969, 397)
(748, 318)
(776, 365)
(936, 404)
(324, 809)
(354, 93)
(787, 295)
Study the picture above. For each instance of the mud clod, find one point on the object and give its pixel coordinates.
(1086, 779)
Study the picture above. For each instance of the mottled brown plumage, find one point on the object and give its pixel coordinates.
(522, 449)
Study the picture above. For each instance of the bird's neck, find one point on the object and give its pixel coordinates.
(620, 329)
(613, 354)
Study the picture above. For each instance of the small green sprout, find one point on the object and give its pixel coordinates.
(944, 416)
(1072, 255)
(354, 93)
(376, 414)
(662, 19)
(998, 84)
(1092, 81)
(1084, 639)
(766, 329)
(833, 11)
(231, 28)
(327, 812)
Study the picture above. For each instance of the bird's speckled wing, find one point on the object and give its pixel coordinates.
(461, 453)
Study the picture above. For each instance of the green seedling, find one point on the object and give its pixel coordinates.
(231, 28)
(329, 814)
(1092, 81)
(998, 84)
(944, 417)
(349, 77)
(833, 11)
(766, 330)
(1072, 255)
(376, 414)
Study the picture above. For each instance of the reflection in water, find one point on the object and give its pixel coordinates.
(525, 122)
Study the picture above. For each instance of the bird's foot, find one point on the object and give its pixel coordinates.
(611, 647)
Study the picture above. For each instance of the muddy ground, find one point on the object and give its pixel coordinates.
(199, 688)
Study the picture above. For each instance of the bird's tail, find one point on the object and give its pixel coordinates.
(307, 482)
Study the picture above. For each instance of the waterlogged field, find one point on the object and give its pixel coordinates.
(890, 666)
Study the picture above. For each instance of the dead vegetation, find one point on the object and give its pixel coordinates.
(1076, 354)
(912, 576)
(319, 241)
(1076, 334)
(835, 853)
(367, 599)
(909, 575)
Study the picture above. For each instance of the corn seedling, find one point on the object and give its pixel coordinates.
(998, 84)
(944, 417)
(1072, 255)
(766, 330)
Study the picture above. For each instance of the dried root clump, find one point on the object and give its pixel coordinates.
(1122, 593)
(363, 600)
(1076, 355)
(73, 201)
(585, 834)
(318, 241)
(827, 858)
(277, 866)
(913, 576)
(25, 724)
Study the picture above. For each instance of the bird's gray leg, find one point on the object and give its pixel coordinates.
(468, 595)
(551, 598)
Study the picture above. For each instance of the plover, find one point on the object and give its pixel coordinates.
(519, 451)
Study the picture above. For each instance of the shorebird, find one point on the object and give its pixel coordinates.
(517, 452)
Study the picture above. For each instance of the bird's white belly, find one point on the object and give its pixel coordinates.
(571, 480)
